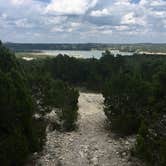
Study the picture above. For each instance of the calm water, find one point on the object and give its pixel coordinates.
(82, 54)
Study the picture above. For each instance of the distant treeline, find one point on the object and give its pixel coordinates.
(87, 46)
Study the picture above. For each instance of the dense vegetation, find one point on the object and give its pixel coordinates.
(19, 132)
(133, 87)
(52, 93)
(55, 95)
(135, 102)
(22, 95)
(134, 91)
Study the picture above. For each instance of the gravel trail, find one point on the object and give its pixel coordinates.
(91, 144)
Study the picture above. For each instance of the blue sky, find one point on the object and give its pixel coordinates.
(81, 21)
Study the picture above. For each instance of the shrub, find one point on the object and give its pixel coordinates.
(18, 131)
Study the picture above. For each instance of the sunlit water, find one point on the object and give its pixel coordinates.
(82, 54)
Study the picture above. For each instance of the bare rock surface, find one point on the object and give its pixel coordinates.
(91, 144)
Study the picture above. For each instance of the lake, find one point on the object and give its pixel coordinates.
(72, 53)
(83, 54)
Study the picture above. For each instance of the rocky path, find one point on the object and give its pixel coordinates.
(91, 144)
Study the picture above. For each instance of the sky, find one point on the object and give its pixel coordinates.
(83, 21)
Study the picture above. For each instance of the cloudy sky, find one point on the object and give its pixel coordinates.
(80, 21)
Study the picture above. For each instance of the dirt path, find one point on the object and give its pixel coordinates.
(91, 144)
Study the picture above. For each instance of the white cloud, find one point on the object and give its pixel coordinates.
(54, 20)
(121, 28)
(57, 29)
(70, 7)
(3, 16)
(17, 2)
(64, 20)
(130, 18)
(75, 24)
(23, 23)
(100, 13)
(153, 3)
(20, 2)
(122, 2)
(159, 14)
(107, 32)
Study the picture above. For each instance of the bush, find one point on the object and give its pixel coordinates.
(125, 99)
(19, 136)
(151, 147)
